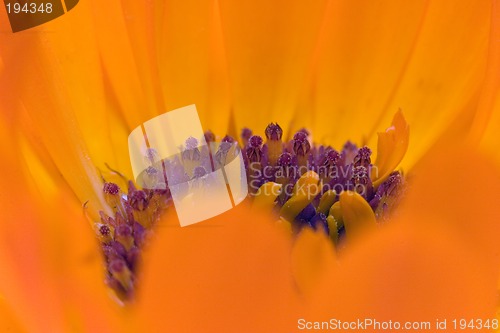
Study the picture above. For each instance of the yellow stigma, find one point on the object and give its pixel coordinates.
(326, 201)
(357, 215)
(304, 192)
(336, 213)
(265, 198)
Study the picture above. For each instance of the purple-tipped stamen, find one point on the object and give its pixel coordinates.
(124, 234)
(301, 146)
(361, 182)
(362, 158)
(274, 132)
(254, 149)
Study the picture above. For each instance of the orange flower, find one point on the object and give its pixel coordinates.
(72, 89)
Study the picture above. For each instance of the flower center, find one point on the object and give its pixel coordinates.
(300, 180)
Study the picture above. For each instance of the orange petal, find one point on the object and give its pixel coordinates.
(458, 187)
(269, 45)
(391, 148)
(362, 54)
(313, 259)
(408, 273)
(489, 140)
(8, 321)
(52, 272)
(59, 105)
(124, 81)
(193, 65)
(487, 120)
(444, 239)
(438, 90)
(225, 273)
(491, 84)
(377, 57)
(142, 24)
(51, 268)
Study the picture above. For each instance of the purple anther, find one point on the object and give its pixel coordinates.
(274, 132)
(301, 146)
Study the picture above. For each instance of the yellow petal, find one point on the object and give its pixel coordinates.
(378, 57)
(193, 66)
(269, 45)
(487, 121)
(491, 84)
(438, 91)
(313, 259)
(123, 78)
(142, 23)
(362, 53)
(489, 140)
(391, 148)
(357, 215)
(48, 94)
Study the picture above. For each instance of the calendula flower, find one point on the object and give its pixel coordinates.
(74, 88)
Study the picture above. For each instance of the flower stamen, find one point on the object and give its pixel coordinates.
(304, 184)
